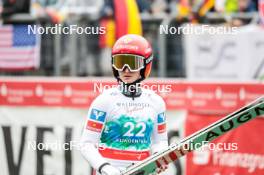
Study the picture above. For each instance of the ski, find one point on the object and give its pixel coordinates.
(175, 151)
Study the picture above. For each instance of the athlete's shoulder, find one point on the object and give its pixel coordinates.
(105, 97)
(154, 97)
(111, 92)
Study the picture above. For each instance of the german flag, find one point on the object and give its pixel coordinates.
(126, 21)
(127, 18)
(207, 5)
(107, 40)
(183, 8)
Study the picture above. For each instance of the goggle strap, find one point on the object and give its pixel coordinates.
(149, 59)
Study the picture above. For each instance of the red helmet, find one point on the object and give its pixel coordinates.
(137, 46)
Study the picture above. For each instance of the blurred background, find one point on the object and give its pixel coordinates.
(89, 54)
(48, 79)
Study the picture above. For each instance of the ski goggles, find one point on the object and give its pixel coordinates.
(133, 62)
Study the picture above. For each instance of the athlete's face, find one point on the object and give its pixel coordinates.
(127, 76)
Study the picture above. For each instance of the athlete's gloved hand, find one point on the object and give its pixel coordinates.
(110, 170)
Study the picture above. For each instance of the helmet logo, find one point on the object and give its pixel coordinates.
(127, 40)
(127, 47)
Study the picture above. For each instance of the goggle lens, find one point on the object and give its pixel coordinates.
(133, 62)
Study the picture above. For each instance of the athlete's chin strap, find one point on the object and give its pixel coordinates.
(132, 90)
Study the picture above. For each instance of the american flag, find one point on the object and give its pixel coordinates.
(261, 11)
(19, 50)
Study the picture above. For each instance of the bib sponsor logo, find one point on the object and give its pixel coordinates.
(161, 123)
(96, 120)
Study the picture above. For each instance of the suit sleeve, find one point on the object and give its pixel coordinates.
(160, 136)
(92, 131)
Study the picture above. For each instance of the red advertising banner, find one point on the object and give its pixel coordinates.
(204, 101)
(213, 97)
(238, 152)
(51, 92)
